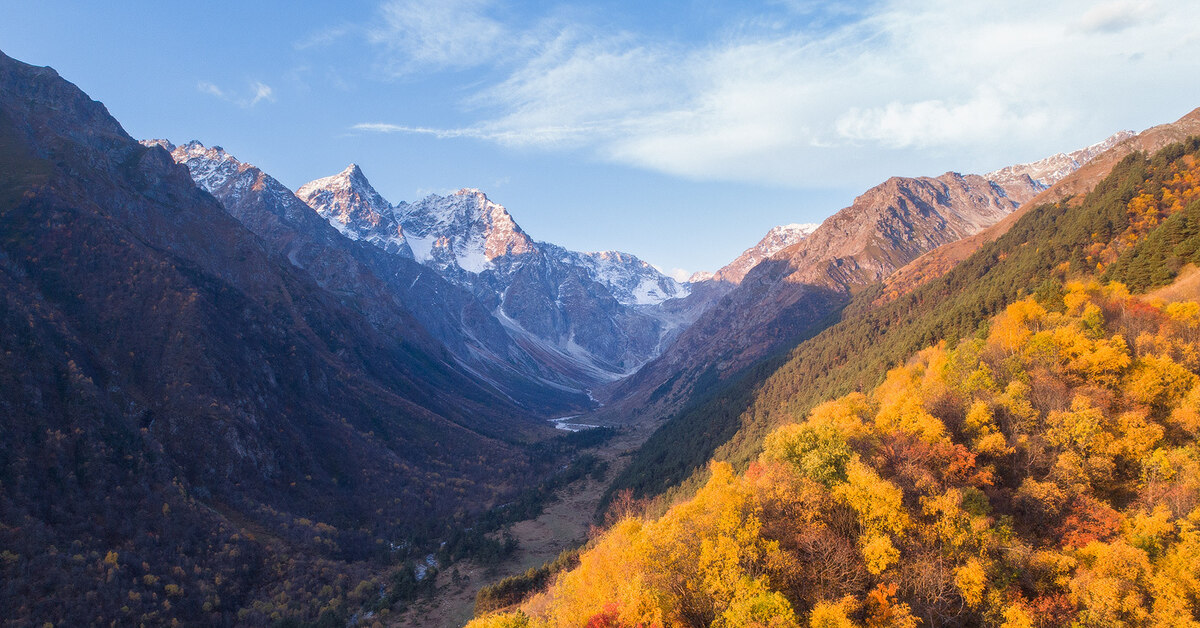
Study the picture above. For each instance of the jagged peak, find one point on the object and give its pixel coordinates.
(195, 148)
(795, 227)
(351, 178)
(1050, 170)
(166, 144)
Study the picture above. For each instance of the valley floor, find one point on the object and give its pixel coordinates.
(563, 525)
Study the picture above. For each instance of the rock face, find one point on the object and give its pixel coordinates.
(464, 232)
(587, 317)
(631, 281)
(1090, 166)
(776, 240)
(350, 204)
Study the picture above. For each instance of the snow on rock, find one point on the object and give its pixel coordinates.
(349, 202)
(631, 280)
(1046, 172)
(222, 175)
(464, 229)
(776, 240)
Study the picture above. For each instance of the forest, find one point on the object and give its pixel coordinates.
(1019, 447)
(1042, 473)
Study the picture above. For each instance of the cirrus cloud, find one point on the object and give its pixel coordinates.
(912, 87)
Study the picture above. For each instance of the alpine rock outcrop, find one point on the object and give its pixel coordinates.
(349, 202)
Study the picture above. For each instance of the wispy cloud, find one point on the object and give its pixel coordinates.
(262, 92)
(1114, 17)
(381, 127)
(903, 82)
(257, 92)
(210, 89)
(324, 37)
(435, 34)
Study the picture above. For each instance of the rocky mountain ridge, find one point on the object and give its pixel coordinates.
(1046, 172)
(349, 202)
(777, 239)
(590, 314)
(794, 288)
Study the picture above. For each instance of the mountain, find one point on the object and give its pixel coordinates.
(776, 240)
(706, 288)
(784, 294)
(191, 422)
(1076, 185)
(789, 291)
(1028, 251)
(1046, 172)
(1015, 443)
(630, 280)
(373, 272)
(350, 204)
(590, 317)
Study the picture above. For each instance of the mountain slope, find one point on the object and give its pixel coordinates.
(885, 228)
(776, 240)
(168, 381)
(349, 202)
(1046, 172)
(1075, 184)
(871, 335)
(1010, 444)
(1042, 473)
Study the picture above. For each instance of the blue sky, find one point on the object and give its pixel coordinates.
(677, 131)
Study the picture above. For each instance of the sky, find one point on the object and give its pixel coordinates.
(677, 131)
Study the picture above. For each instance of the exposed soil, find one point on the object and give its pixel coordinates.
(1186, 286)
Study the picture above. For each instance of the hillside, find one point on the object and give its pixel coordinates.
(1020, 448)
(192, 427)
(787, 294)
(1074, 185)
(872, 333)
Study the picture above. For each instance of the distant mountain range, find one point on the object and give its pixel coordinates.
(583, 320)
(547, 314)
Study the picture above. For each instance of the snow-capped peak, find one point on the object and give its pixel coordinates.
(465, 229)
(211, 167)
(777, 239)
(166, 144)
(1048, 171)
(784, 236)
(349, 202)
(630, 280)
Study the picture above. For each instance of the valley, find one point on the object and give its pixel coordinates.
(963, 399)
